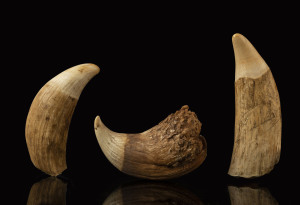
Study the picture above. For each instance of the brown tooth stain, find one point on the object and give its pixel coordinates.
(168, 149)
(47, 145)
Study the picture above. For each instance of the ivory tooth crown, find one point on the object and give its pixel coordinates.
(257, 137)
(50, 115)
(170, 149)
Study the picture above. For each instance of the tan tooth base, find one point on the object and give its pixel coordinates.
(257, 140)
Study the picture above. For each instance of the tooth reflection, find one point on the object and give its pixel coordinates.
(248, 195)
(148, 192)
(50, 191)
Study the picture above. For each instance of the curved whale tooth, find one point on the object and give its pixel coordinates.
(257, 137)
(170, 149)
(50, 115)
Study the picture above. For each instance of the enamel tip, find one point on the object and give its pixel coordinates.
(87, 69)
(73, 80)
(97, 122)
(237, 35)
(92, 67)
(248, 62)
(243, 49)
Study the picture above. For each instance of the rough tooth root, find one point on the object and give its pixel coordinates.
(50, 115)
(170, 149)
(257, 137)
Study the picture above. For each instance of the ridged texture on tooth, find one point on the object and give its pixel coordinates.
(170, 149)
(112, 143)
(257, 140)
(50, 115)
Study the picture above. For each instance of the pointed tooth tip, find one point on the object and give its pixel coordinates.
(93, 67)
(88, 68)
(243, 48)
(248, 61)
(236, 36)
(97, 121)
(239, 40)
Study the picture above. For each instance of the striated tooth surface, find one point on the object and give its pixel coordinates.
(170, 149)
(49, 117)
(257, 137)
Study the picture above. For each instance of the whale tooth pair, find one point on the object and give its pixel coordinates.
(174, 147)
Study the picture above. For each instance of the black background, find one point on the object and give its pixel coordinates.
(153, 60)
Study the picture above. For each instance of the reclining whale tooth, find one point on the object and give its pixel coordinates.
(170, 149)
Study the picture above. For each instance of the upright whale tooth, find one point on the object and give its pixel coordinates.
(50, 115)
(257, 137)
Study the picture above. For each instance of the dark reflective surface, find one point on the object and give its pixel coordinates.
(245, 195)
(152, 192)
(50, 191)
(92, 185)
(123, 189)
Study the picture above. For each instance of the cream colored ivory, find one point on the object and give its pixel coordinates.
(249, 64)
(111, 143)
